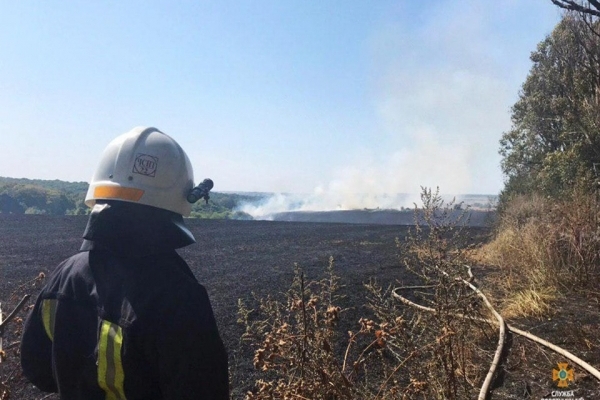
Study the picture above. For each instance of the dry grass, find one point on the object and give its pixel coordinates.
(529, 303)
(543, 249)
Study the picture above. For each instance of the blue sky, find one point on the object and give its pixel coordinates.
(318, 97)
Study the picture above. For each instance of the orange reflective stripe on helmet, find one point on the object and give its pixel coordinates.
(118, 192)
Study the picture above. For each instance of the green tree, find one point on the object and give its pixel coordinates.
(18, 196)
(8, 205)
(58, 204)
(555, 137)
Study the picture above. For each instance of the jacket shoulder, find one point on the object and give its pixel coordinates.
(72, 278)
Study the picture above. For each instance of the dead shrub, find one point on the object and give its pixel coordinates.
(10, 364)
(294, 340)
(457, 344)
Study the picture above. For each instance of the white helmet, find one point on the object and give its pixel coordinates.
(144, 166)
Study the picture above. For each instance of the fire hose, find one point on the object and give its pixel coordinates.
(483, 393)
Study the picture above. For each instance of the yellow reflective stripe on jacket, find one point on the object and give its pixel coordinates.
(110, 368)
(48, 316)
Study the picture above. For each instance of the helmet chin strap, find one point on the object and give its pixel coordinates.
(201, 191)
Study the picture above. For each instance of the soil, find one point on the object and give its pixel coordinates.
(234, 259)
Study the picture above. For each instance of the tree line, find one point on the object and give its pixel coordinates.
(56, 197)
(32, 196)
(554, 142)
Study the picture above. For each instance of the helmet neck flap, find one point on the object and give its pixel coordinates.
(134, 229)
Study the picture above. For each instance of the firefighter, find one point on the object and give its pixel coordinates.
(125, 318)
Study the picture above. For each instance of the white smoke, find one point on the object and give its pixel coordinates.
(267, 208)
(442, 103)
(392, 183)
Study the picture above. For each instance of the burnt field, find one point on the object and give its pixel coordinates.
(234, 259)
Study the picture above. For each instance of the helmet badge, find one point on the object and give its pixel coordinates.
(145, 165)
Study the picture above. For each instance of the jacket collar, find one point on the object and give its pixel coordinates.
(134, 230)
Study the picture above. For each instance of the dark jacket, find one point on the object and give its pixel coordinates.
(125, 318)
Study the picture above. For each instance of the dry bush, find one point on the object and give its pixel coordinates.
(297, 346)
(436, 356)
(10, 364)
(302, 354)
(545, 248)
(436, 251)
(576, 238)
